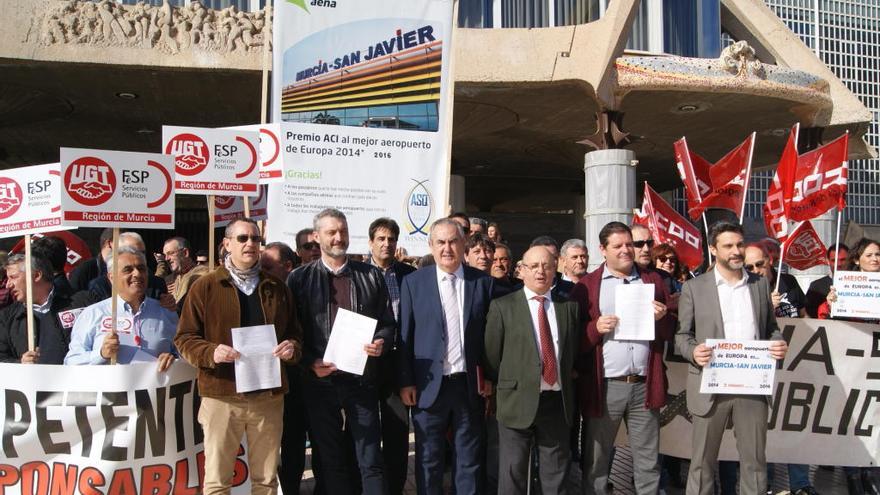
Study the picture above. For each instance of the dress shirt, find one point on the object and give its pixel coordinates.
(554, 331)
(150, 330)
(621, 357)
(459, 365)
(393, 287)
(331, 270)
(46, 306)
(736, 308)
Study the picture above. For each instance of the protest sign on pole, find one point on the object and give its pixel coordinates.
(213, 161)
(858, 294)
(271, 158)
(228, 208)
(364, 97)
(104, 430)
(117, 189)
(824, 404)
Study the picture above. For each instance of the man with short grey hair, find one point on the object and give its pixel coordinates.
(100, 287)
(477, 225)
(574, 260)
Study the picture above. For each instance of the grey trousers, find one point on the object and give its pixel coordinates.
(749, 414)
(623, 401)
(550, 433)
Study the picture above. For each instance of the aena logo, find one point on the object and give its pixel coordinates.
(314, 3)
(190, 153)
(90, 181)
(10, 197)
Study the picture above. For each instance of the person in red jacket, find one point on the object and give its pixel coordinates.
(620, 379)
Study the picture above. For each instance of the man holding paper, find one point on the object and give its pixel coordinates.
(726, 303)
(621, 367)
(235, 303)
(348, 324)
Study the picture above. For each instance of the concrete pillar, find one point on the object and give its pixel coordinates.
(826, 227)
(610, 190)
(456, 193)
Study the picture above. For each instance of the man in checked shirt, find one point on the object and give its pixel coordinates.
(395, 416)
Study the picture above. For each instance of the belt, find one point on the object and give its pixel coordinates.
(455, 376)
(628, 378)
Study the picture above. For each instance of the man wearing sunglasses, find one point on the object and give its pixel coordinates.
(238, 293)
(789, 301)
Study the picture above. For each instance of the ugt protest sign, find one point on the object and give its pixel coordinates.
(117, 188)
(228, 208)
(824, 407)
(103, 430)
(30, 200)
(364, 97)
(271, 159)
(213, 161)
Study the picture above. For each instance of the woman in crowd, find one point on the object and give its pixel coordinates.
(863, 257)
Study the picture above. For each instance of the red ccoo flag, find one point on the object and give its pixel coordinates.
(804, 249)
(820, 182)
(782, 189)
(722, 185)
(667, 226)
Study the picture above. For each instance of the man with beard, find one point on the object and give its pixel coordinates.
(742, 300)
(479, 252)
(143, 326)
(574, 260)
(336, 399)
(238, 294)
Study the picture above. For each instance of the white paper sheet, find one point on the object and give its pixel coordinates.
(634, 305)
(257, 368)
(350, 333)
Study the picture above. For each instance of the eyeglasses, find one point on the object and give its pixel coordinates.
(243, 238)
(664, 258)
(310, 245)
(539, 267)
(641, 244)
(759, 264)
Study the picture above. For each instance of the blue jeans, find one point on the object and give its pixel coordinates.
(798, 476)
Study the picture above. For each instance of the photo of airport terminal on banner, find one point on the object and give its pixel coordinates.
(391, 81)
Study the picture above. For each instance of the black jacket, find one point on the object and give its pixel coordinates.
(310, 285)
(13, 329)
(86, 271)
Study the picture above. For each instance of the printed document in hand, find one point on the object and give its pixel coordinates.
(634, 305)
(350, 333)
(256, 368)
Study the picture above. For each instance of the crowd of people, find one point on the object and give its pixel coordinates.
(500, 365)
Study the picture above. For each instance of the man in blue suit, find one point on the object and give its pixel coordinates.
(442, 321)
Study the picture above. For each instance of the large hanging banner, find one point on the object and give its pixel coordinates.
(824, 407)
(30, 200)
(364, 93)
(103, 430)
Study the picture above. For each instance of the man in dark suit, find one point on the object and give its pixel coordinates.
(442, 324)
(620, 379)
(93, 268)
(531, 344)
(726, 303)
(561, 286)
(383, 233)
(819, 288)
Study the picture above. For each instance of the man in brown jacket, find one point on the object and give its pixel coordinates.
(238, 294)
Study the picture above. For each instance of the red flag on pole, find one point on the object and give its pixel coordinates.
(804, 249)
(667, 226)
(782, 189)
(722, 185)
(820, 181)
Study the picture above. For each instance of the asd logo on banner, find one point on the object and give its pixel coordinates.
(418, 206)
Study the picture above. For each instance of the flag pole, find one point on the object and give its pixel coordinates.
(836, 246)
(114, 291)
(742, 209)
(706, 226)
(29, 292)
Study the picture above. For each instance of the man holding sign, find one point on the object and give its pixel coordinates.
(235, 298)
(726, 303)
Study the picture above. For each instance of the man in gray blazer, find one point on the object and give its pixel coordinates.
(726, 303)
(532, 338)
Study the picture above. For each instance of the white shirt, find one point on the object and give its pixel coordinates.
(459, 365)
(736, 308)
(621, 357)
(554, 332)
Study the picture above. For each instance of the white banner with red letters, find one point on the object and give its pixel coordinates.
(103, 188)
(228, 208)
(271, 157)
(214, 161)
(30, 200)
(103, 430)
(824, 407)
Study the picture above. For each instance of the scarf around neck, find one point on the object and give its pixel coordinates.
(245, 280)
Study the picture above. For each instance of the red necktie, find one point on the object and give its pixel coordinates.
(548, 355)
